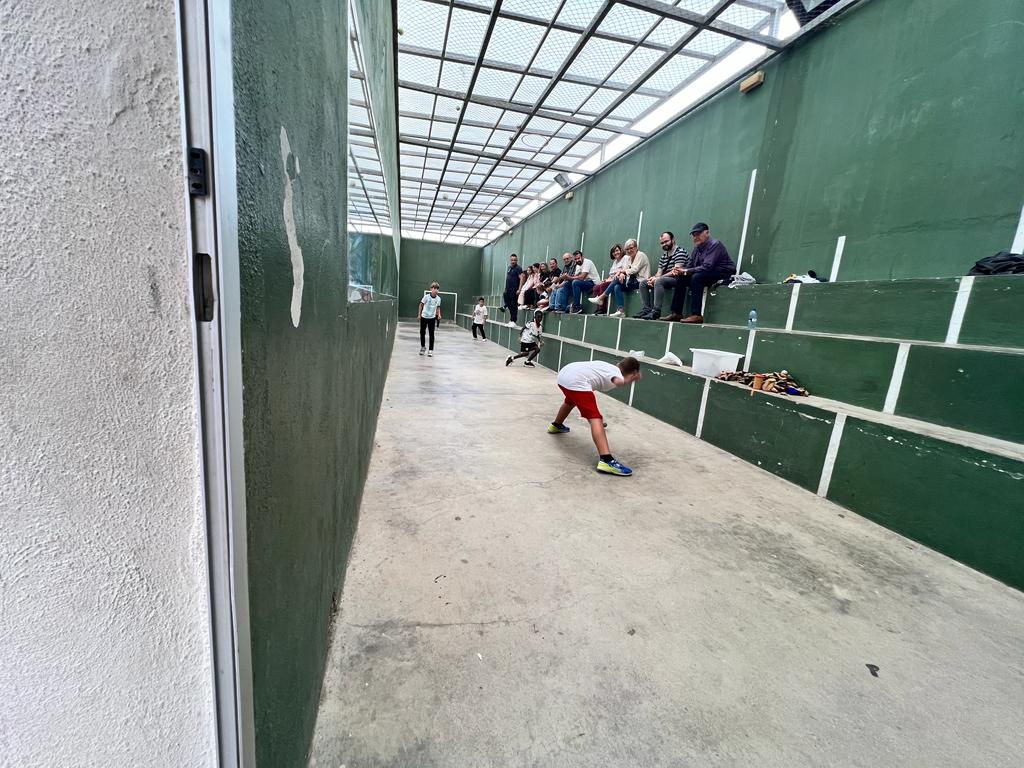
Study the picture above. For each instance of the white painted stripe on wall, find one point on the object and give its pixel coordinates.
(668, 337)
(639, 228)
(632, 387)
(750, 351)
(896, 382)
(792, 306)
(838, 258)
(746, 220)
(582, 235)
(583, 337)
(703, 406)
(1018, 239)
(831, 453)
(618, 334)
(560, 345)
(956, 320)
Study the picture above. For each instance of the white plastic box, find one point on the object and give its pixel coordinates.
(711, 362)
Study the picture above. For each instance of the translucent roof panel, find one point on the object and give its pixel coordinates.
(496, 99)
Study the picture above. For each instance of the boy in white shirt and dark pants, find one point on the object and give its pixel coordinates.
(480, 318)
(578, 382)
(529, 341)
(430, 314)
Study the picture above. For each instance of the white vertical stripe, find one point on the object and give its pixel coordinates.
(792, 306)
(560, 345)
(838, 258)
(831, 453)
(582, 235)
(668, 338)
(956, 320)
(896, 382)
(703, 406)
(583, 336)
(591, 354)
(632, 387)
(750, 350)
(639, 228)
(746, 220)
(1018, 239)
(618, 334)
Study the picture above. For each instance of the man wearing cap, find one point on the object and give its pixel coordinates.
(710, 262)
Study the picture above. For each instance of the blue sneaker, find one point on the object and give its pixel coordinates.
(554, 429)
(614, 467)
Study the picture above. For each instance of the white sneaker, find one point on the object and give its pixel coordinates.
(620, 312)
(430, 353)
(510, 324)
(594, 300)
(423, 350)
(523, 307)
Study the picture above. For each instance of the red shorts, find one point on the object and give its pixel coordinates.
(584, 400)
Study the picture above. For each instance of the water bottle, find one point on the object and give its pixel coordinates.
(752, 320)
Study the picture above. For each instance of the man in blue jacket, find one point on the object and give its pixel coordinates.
(710, 262)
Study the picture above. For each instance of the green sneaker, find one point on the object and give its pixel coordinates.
(554, 429)
(614, 467)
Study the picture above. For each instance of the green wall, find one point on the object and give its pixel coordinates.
(455, 267)
(311, 392)
(898, 127)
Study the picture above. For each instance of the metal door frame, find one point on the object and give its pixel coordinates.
(206, 92)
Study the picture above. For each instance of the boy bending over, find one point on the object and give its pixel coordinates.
(578, 382)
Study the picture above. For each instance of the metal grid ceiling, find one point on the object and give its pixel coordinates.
(497, 97)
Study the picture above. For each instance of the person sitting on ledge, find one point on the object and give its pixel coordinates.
(670, 269)
(710, 262)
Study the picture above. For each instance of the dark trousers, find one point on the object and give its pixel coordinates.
(512, 304)
(528, 349)
(696, 282)
(425, 325)
(482, 334)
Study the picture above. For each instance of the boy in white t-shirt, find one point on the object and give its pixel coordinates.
(529, 341)
(480, 318)
(430, 316)
(578, 382)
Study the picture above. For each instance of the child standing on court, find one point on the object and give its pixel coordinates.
(430, 315)
(480, 318)
(578, 382)
(529, 341)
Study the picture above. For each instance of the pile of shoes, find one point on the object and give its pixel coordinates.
(778, 382)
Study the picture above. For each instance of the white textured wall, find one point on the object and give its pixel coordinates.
(104, 638)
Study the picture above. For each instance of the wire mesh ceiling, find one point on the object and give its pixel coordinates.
(505, 103)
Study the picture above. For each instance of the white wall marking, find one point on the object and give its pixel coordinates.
(703, 406)
(632, 388)
(640, 226)
(792, 306)
(298, 268)
(896, 382)
(618, 334)
(838, 258)
(750, 350)
(1018, 239)
(956, 320)
(831, 453)
(746, 220)
(582, 235)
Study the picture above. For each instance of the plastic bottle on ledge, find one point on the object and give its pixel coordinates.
(752, 320)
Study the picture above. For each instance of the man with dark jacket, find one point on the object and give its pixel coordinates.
(710, 262)
(513, 282)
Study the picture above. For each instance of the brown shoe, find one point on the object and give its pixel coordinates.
(673, 318)
(693, 319)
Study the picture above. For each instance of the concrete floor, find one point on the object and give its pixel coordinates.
(506, 606)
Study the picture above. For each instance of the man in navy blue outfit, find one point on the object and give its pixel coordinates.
(709, 263)
(513, 281)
